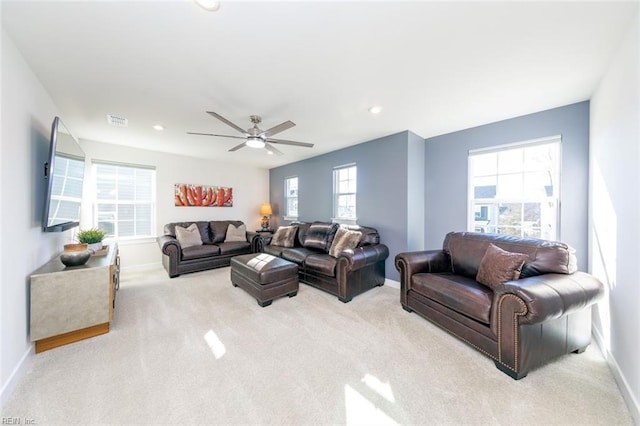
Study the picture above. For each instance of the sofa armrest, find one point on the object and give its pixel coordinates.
(545, 297)
(427, 261)
(169, 245)
(362, 256)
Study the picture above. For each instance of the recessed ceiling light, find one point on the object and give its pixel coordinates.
(159, 127)
(375, 109)
(210, 5)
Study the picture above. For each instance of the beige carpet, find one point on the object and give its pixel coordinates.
(195, 349)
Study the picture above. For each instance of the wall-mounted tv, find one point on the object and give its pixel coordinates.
(64, 175)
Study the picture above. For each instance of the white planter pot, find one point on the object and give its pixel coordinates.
(94, 247)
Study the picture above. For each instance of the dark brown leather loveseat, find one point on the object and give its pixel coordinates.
(349, 273)
(521, 323)
(214, 252)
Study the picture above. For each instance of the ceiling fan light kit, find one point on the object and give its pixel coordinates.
(255, 137)
(255, 142)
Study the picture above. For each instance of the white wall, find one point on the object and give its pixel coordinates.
(250, 189)
(614, 223)
(27, 114)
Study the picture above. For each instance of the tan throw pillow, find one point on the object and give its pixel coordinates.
(499, 266)
(284, 236)
(344, 240)
(188, 237)
(236, 234)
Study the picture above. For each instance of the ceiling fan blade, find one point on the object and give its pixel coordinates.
(237, 147)
(286, 142)
(277, 129)
(220, 136)
(227, 122)
(273, 149)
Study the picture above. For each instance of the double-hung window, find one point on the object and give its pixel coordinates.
(344, 193)
(514, 189)
(291, 197)
(125, 199)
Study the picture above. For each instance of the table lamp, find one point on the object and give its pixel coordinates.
(265, 211)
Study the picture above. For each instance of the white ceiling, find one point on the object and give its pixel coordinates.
(434, 67)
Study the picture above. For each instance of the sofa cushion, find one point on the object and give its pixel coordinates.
(321, 263)
(189, 236)
(298, 254)
(203, 227)
(320, 235)
(344, 240)
(234, 247)
(284, 236)
(499, 266)
(198, 252)
(218, 229)
(273, 250)
(236, 233)
(302, 233)
(463, 295)
(466, 249)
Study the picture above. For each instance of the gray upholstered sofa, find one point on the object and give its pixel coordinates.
(214, 252)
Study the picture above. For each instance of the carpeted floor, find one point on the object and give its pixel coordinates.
(195, 349)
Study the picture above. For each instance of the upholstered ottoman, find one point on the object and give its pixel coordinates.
(264, 277)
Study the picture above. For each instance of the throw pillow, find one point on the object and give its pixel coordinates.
(498, 266)
(320, 235)
(236, 234)
(188, 237)
(284, 236)
(345, 239)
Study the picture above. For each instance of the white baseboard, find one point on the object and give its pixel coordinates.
(16, 375)
(621, 381)
(392, 283)
(143, 267)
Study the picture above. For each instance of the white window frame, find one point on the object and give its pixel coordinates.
(151, 203)
(288, 214)
(552, 200)
(345, 219)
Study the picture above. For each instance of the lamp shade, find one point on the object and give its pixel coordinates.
(265, 210)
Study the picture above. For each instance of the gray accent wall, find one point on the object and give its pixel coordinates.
(446, 171)
(383, 190)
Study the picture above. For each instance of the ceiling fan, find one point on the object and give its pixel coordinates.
(255, 137)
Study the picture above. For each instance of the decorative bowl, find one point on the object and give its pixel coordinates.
(75, 254)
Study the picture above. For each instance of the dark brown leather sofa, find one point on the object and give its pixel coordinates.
(213, 253)
(349, 274)
(522, 323)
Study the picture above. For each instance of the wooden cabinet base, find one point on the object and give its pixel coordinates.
(71, 337)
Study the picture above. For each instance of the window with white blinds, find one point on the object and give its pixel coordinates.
(125, 199)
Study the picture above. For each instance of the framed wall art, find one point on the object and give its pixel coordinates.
(188, 195)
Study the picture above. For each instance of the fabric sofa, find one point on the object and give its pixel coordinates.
(538, 310)
(346, 271)
(214, 251)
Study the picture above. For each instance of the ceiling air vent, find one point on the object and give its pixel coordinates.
(117, 121)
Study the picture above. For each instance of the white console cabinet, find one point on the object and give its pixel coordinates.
(69, 304)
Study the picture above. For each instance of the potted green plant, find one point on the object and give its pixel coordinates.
(92, 237)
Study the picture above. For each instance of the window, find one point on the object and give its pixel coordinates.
(291, 197)
(514, 189)
(344, 192)
(125, 199)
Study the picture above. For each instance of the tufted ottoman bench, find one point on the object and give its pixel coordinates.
(264, 277)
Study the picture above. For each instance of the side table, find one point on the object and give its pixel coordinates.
(259, 239)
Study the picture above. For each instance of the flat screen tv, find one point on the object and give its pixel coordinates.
(64, 175)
